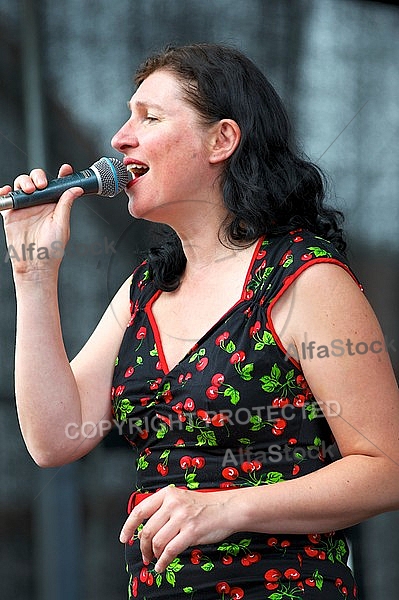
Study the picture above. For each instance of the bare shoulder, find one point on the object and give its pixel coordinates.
(342, 353)
(326, 295)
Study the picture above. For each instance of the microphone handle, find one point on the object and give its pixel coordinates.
(88, 179)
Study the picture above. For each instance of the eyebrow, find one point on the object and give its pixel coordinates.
(142, 104)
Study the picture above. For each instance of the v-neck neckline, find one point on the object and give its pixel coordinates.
(154, 325)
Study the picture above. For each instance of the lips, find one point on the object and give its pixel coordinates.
(136, 168)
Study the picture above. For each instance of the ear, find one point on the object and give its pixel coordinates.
(225, 138)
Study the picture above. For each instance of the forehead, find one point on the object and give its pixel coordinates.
(161, 89)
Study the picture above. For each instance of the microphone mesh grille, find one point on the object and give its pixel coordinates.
(113, 174)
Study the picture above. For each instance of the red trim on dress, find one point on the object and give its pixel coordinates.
(289, 280)
(155, 330)
(154, 325)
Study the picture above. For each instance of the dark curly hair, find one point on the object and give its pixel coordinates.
(269, 186)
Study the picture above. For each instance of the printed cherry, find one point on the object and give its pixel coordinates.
(227, 559)
(217, 379)
(186, 462)
(212, 392)
(296, 469)
(198, 462)
(236, 357)
(280, 402)
(196, 556)
(272, 541)
(135, 584)
(219, 420)
(247, 467)
(202, 414)
(162, 469)
(202, 363)
(236, 593)
(129, 371)
(230, 473)
(299, 400)
(312, 552)
(222, 338)
(222, 587)
(272, 575)
(142, 332)
(292, 574)
(189, 404)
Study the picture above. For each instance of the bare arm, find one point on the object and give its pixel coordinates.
(54, 399)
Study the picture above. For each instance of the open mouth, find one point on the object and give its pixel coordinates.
(137, 170)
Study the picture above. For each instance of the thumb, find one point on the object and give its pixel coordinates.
(62, 210)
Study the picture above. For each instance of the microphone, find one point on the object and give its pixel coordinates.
(106, 177)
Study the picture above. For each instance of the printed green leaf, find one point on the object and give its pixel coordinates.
(207, 566)
(162, 431)
(269, 384)
(274, 477)
(154, 351)
(232, 394)
(171, 578)
(268, 339)
(188, 590)
(176, 565)
(244, 441)
(256, 422)
(158, 579)
(289, 260)
(139, 360)
(267, 272)
(142, 463)
(230, 347)
(290, 376)
(312, 411)
(318, 579)
(165, 454)
(206, 437)
(318, 251)
(246, 372)
(276, 373)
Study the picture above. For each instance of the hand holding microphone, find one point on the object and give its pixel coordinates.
(106, 177)
(45, 226)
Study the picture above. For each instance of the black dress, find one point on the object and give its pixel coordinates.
(235, 412)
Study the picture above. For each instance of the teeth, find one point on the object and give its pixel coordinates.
(136, 170)
(134, 167)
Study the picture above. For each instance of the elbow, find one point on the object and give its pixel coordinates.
(46, 458)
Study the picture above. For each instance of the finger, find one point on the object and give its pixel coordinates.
(64, 170)
(6, 189)
(29, 183)
(172, 549)
(64, 205)
(159, 528)
(139, 514)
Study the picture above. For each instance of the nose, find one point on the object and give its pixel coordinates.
(124, 138)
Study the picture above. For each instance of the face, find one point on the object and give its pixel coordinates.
(166, 149)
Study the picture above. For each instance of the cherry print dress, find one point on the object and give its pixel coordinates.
(235, 412)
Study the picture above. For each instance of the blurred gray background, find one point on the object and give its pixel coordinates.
(66, 72)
